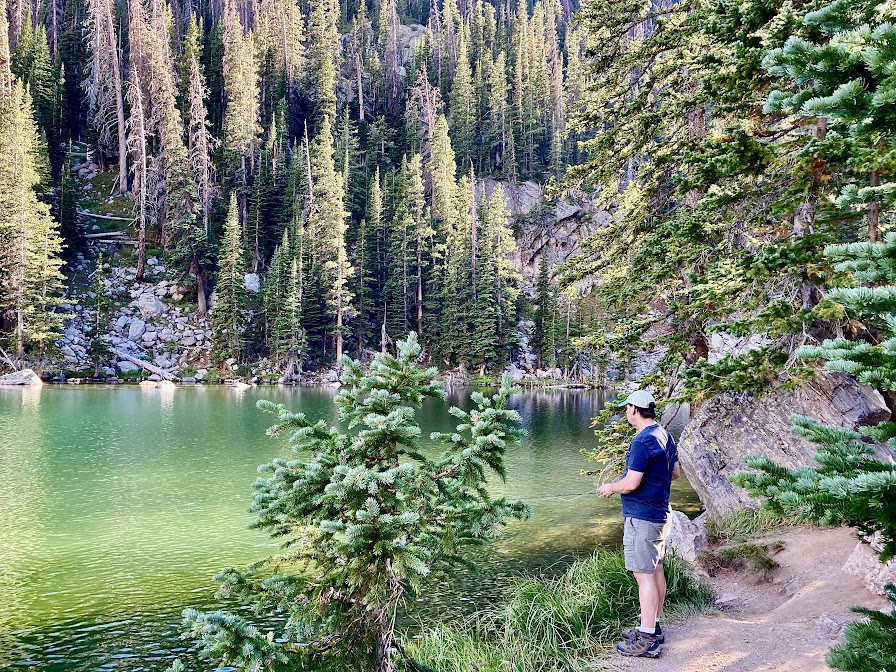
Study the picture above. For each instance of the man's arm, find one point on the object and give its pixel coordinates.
(676, 471)
(625, 485)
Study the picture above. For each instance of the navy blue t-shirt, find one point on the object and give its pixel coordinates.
(654, 453)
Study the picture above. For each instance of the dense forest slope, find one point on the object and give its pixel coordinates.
(316, 168)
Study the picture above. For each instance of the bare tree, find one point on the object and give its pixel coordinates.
(103, 86)
(139, 165)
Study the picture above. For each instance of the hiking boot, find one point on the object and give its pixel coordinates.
(629, 635)
(644, 645)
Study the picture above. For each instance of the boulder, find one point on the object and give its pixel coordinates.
(149, 305)
(253, 283)
(68, 352)
(731, 426)
(136, 330)
(127, 367)
(687, 537)
(23, 377)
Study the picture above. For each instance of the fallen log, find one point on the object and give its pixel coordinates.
(96, 215)
(115, 241)
(145, 365)
(107, 234)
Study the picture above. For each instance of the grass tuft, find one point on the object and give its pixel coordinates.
(757, 557)
(749, 523)
(566, 623)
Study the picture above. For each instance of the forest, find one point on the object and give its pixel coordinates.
(334, 148)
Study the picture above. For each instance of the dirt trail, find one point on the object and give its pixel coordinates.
(783, 624)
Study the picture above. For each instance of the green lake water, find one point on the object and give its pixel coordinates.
(119, 505)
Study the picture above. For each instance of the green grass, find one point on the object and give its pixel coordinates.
(549, 625)
(748, 524)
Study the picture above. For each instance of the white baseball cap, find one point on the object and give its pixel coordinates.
(639, 398)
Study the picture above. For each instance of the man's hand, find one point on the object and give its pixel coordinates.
(606, 490)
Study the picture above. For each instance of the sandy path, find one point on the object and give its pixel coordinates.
(785, 624)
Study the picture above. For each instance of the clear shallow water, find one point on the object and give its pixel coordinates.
(119, 505)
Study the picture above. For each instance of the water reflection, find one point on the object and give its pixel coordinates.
(22, 501)
(122, 503)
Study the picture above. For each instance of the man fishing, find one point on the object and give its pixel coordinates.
(650, 467)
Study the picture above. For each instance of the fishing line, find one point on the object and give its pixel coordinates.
(574, 495)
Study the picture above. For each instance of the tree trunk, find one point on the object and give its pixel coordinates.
(360, 86)
(873, 209)
(119, 109)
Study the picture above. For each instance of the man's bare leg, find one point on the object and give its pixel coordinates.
(648, 597)
(659, 579)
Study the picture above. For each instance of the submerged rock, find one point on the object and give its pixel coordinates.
(729, 427)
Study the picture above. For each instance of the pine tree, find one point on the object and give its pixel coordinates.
(100, 305)
(228, 311)
(65, 208)
(850, 484)
(389, 36)
(241, 93)
(324, 56)
(463, 106)
(844, 77)
(544, 336)
(442, 171)
(30, 247)
(201, 144)
(372, 514)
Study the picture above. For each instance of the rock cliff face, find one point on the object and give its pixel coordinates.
(730, 427)
(554, 228)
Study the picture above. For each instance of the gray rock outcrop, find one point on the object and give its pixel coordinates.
(729, 427)
(865, 564)
(23, 377)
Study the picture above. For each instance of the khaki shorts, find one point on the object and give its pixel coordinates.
(644, 544)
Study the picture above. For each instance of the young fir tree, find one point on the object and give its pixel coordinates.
(544, 336)
(100, 305)
(229, 310)
(65, 208)
(364, 522)
(850, 484)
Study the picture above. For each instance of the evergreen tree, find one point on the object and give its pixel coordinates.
(100, 305)
(372, 514)
(463, 107)
(241, 93)
(228, 311)
(544, 336)
(845, 78)
(30, 277)
(850, 484)
(65, 208)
